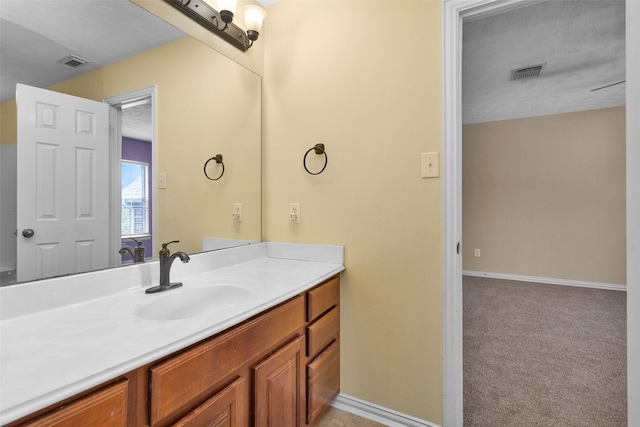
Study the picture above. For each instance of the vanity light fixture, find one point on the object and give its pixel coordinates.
(227, 10)
(218, 16)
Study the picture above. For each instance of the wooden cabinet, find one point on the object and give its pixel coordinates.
(279, 368)
(322, 348)
(226, 408)
(322, 298)
(323, 381)
(279, 390)
(194, 374)
(106, 407)
(323, 331)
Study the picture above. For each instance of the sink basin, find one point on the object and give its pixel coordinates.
(190, 302)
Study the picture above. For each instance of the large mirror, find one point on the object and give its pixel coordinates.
(203, 104)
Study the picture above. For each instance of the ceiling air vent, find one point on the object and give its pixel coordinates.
(74, 61)
(527, 72)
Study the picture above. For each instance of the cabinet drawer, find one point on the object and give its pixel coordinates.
(323, 381)
(225, 408)
(322, 298)
(106, 407)
(321, 332)
(197, 372)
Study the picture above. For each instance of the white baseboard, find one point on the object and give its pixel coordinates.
(547, 280)
(376, 413)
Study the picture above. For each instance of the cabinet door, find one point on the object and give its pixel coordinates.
(106, 408)
(278, 389)
(225, 409)
(323, 381)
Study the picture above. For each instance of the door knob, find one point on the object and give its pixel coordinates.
(28, 232)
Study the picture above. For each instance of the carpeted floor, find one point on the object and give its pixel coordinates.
(543, 355)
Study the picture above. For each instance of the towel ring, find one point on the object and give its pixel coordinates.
(218, 159)
(319, 149)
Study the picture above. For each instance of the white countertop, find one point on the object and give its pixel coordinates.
(54, 349)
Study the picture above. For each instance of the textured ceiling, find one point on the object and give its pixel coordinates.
(582, 43)
(36, 35)
(137, 122)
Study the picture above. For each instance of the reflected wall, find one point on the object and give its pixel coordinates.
(206, 105)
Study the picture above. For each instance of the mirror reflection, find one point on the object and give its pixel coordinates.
(180, 103)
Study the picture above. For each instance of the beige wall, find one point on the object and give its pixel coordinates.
(545, 196)
(8, 119)
(207, 105)
(364, 78)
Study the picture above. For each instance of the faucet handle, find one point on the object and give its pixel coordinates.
(164, 245)
(164, 252)
(138, 242)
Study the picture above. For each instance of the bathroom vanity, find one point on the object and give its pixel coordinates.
(270, 358)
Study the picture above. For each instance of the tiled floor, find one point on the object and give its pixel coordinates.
(337, 418)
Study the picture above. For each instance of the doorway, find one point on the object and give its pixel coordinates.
(133, 164)
(453, 14)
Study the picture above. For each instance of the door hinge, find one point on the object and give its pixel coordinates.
(458, 248)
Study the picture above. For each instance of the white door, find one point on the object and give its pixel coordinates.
(63, 184)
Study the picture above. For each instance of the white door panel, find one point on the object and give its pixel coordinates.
(63, 183)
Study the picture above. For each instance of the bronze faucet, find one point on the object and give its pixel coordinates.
(137, 254)
(166, 259)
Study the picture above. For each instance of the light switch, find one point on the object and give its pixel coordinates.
(162, 180)
(431, 165)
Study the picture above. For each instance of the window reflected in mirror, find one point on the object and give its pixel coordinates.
(135, 199)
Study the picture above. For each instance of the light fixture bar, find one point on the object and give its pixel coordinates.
(208, 17)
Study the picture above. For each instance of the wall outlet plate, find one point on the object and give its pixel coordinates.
(237, 212)
(294, 212)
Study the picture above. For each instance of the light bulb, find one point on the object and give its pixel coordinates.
(229, 5)
(253, 17)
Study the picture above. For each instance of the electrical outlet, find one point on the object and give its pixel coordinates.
(237, 212)
(476, 253)
(294, 213)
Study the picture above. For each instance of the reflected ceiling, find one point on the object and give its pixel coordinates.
(33, 44)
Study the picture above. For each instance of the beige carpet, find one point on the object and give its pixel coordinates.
(543, 355)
